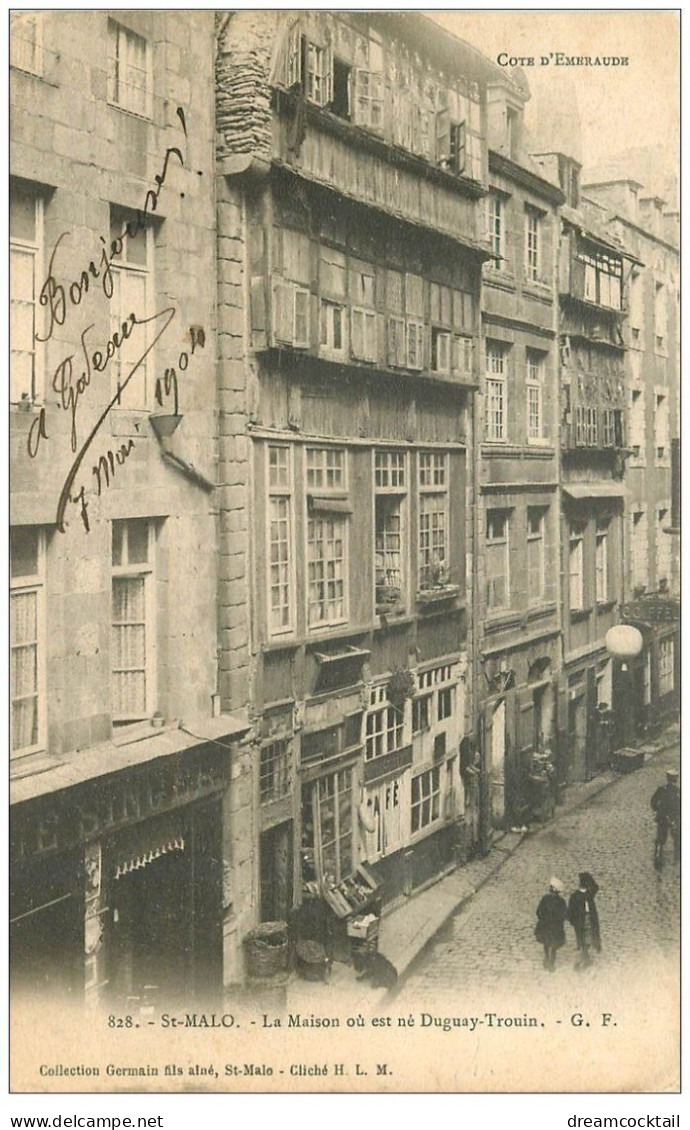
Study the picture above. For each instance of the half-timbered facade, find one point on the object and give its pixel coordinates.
(352, 208)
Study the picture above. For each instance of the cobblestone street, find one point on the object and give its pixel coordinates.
(485, 959)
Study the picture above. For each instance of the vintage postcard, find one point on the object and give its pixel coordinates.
(344, 551)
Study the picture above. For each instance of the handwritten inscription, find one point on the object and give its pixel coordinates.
(75, 373)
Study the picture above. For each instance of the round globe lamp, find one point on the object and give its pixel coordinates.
(623, 642)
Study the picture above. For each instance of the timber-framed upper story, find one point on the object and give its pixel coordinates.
(385, 108)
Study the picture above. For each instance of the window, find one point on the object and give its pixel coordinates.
(497, 560)
(445, 703)
(280, 538)
(389, 551)
(326, 570)
(26, 42)
(415, 345)
(426, 799)
(433, 520)
(496, 400)
(496, 229)
(660, 317)
(636, 309)
(290, 314)
(663, 546)
(451, 143)
(327, 826)
(586, 426)
(26, 237)
(326, 468)
(369, 85)
(661, 440)
(601, 561)
(576, 567)
(387, 810)
(535, 386)
(132, 293)
(363, 334)
(532, 245)
(384, 730)
(333, 327)
(27, 639)
(129, 81)
(451, 310)
(342, 89)
(613, 427)
(133, 644)
(363, 320)
(440, 350)
(397, 343)
(535, 553)
(638, 439)
(639, 549)
(421, 713)
(317, 86)
(603, 276)
(274, 771)
(666, 664)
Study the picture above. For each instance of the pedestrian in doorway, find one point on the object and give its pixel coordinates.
(666, 808)
(584, 918)
(552, 913)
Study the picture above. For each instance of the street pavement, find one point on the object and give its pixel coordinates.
(612, 1026)
(491, 940)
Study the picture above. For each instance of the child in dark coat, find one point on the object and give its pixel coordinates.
(552, 913)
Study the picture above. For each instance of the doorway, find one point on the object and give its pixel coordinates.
(276, 873)
(498, 756)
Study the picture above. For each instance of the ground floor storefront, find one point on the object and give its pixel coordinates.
(116, 886)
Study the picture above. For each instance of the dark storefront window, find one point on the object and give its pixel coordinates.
(327, 827)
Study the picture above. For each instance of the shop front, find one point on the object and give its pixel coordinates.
(647, 688)
(117, 885)
(519, 734)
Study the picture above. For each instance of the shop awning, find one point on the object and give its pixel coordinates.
(148, 842)
(594, 490)
(146, 745)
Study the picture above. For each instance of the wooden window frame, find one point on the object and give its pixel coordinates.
(27, 584)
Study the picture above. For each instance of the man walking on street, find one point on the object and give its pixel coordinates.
(552, 913)
(666, 807)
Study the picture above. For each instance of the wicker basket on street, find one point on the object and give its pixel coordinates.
(266, 949)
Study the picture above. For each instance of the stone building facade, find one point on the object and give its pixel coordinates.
(352, 157)
(517, 576)
(336, 411)
(121, 764)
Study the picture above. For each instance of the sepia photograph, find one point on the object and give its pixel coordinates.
(344, 551)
